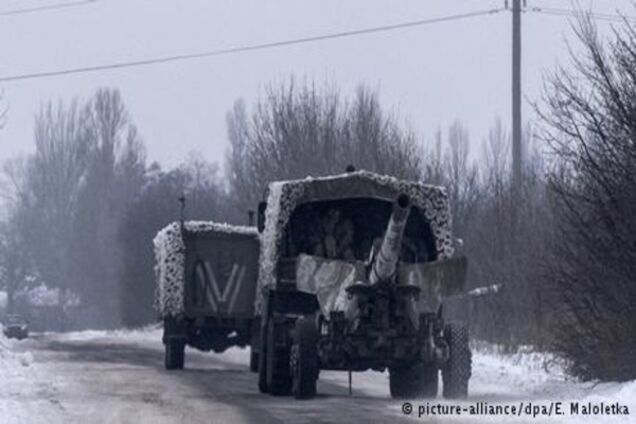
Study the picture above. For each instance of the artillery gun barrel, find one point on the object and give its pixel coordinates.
(385, 261)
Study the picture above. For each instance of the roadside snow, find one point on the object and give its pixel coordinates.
(11, 361)
(17, 372)
(29, 389)
(536, 378)
(149, 333)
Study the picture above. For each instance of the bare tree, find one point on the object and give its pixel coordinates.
(155, 207)
(590, 126)
(69, 196)
(299, 131)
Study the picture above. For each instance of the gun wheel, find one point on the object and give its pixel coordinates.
(457, 370)
(303, 359)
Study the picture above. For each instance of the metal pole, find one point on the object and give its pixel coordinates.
(516, 95)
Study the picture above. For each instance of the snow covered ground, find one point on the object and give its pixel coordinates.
(117, 376)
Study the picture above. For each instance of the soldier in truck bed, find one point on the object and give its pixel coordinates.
(336, 236)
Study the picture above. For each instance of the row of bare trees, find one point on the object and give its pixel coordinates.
(591, 129)
(67, 197)
(83, 208)
(296, 131)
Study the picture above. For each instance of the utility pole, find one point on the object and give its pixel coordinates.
(516, 95)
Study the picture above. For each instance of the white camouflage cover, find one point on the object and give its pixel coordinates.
(284, 196)
(170, 261)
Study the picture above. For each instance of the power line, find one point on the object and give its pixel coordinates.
(554, 11)
(248, 48)
(45, 8)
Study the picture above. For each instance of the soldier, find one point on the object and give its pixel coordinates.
(337, 237)
(344, 240)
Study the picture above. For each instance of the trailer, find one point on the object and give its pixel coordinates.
(206, 276)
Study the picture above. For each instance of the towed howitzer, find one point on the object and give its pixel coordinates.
(384, 271)
(384, 263)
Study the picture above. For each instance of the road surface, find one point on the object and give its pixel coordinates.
(121, 380)
(118, 377)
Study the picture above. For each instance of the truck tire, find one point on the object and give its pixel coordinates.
(255, 344)
(457, 370)
(278, 376)
(262, 365)
(413, 381)
(175, 354)
(304, 363)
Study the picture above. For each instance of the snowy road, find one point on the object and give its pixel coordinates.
(118, 377)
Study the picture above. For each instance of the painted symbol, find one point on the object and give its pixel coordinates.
(221, 298)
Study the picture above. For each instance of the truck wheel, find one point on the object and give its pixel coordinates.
(255, 343)
(262, 366)
(175, 354)
(304, 359)
(413, 381)
(278, 376)
(457, 370)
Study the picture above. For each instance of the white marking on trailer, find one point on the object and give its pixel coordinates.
(237, 286)
(213, 282)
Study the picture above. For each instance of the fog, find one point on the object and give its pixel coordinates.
(429, 75)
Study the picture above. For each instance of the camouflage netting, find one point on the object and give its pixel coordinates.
(170, 261)
(284, 196)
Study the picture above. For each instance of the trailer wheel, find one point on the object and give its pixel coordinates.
(304, 359)
(457, 370)
(277, 362)
(175, 354)
(413, 381)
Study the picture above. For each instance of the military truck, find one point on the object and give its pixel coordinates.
(206, 283)
(352, 275)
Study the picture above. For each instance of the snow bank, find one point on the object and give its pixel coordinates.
(540, 378)
(150, 333)
(170, 261)
(10, 360)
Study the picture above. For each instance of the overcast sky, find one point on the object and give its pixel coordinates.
(429, 75)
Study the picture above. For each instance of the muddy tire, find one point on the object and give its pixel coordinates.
(457, 370)
(174, 354)
(279, 382)
(304, 363)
